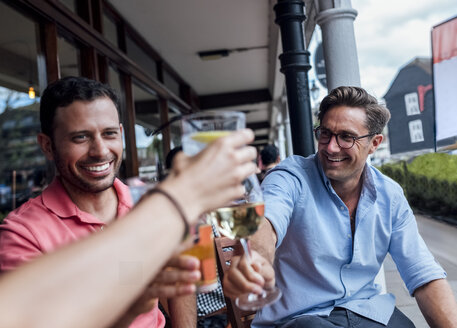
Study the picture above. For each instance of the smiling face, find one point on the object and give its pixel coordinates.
(345, 166)
(86, 146)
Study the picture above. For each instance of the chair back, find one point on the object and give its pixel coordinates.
(226, 248)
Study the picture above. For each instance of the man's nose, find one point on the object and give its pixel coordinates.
(98, 148)
(333, 144)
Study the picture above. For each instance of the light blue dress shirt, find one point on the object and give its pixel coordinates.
(317, 267)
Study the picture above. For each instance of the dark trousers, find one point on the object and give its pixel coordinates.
(343, 318)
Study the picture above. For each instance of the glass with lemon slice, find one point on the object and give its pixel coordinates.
(240, 219)
(200, 129)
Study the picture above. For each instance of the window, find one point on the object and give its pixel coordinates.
(412, 104)
(175, 127)
(171, 83)
(68, 58)
(137, 54)
(19, 110)
(147, 119)
(416, 133)
(70, 4)
(110, 29)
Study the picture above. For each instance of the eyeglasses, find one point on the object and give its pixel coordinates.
(344, 140)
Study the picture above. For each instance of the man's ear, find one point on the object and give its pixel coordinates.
(45, 143)
(375, 142)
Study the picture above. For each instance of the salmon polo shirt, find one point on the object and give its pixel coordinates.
(52, 220)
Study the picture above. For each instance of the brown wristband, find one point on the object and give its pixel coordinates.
(176, 205)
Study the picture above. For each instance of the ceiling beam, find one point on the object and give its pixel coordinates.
(234, 98)
(258, 125)
(263, 137)
(259, 144)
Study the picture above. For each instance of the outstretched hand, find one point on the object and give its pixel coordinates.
(244, 277)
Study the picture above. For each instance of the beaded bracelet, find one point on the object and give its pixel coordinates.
(176, 205)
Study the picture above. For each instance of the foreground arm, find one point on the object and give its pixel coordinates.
(183, 311)
(91, 283)
(176, 279)
(437, 303)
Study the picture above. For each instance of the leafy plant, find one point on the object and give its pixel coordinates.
(429, 182)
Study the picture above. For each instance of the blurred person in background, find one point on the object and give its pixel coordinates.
(93, 282)
(269, 156)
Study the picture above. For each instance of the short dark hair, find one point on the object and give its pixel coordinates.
(269, 154)
(377, 114)
(65, 91)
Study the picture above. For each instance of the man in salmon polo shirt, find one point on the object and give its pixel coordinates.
(81, 132)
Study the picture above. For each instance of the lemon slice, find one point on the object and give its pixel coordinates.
(209, 136)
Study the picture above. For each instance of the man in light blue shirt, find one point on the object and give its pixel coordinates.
(331, 220)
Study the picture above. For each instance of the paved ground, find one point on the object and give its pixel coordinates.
(441, 239)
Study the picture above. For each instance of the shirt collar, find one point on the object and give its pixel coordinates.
(324, 178)
(369, 187)
(57, 200)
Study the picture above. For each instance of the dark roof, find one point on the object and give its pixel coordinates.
(424, 63)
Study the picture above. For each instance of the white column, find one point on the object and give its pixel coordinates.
(281, 144)
(289, 148)
(336, 19)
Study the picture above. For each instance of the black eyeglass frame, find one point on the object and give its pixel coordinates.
(337, 136)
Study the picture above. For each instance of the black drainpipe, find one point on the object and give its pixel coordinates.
(295, 66)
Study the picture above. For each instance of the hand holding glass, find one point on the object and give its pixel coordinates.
(242, 218)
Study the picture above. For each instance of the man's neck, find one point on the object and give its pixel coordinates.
(102, 205)
(349, 191)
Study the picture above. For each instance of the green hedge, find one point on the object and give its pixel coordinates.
(429, 182)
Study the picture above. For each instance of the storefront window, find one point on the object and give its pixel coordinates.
(68, 58)
(137, 54)
(147, 120)
(171, 83)
(114, 80)
(70, 4)
(110, 29)
(175, 127)
(22, 165)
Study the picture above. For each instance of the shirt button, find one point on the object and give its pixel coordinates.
(349, 293)
(349, 236)
(342, 208)
(348, 266)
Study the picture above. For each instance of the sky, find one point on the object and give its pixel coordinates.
(389, 34)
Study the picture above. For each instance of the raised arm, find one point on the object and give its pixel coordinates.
(91, 283)
(264, 241)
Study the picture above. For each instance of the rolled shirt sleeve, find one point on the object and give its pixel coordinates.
(414, 261)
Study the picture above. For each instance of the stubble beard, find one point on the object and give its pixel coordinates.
(80, 184)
